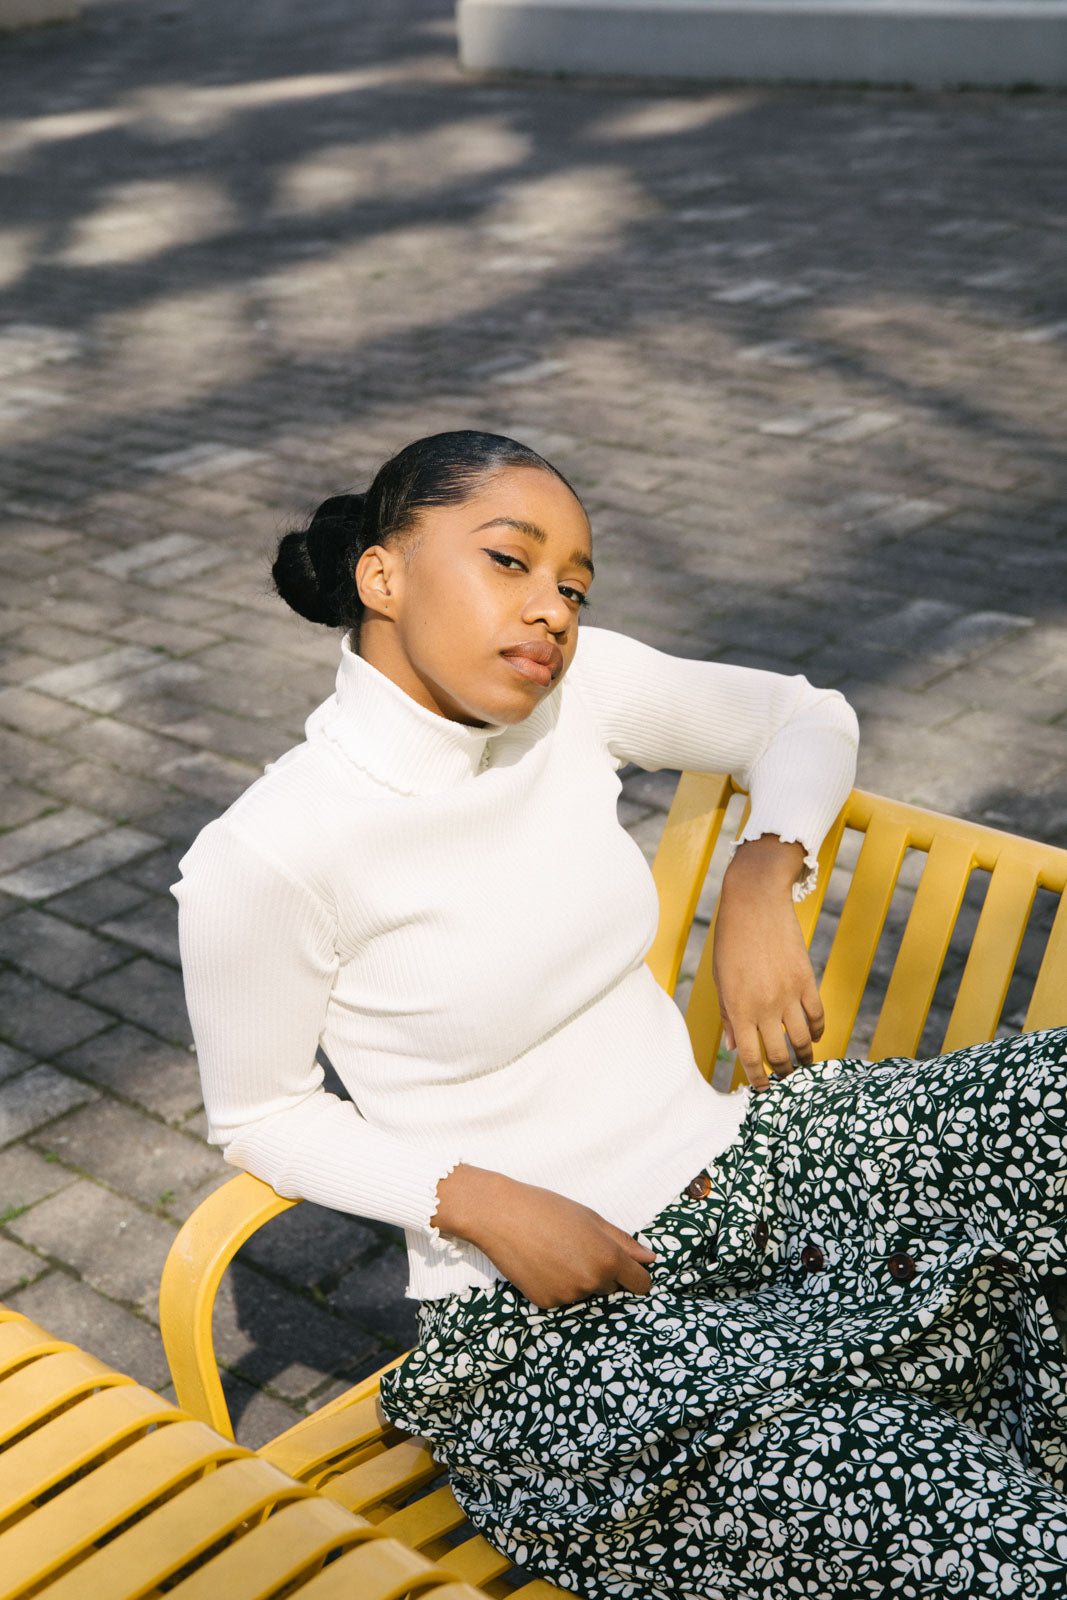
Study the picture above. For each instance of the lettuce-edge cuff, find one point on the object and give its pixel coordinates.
(446, 1244)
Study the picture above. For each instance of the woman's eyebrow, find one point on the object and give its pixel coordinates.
(532, 531)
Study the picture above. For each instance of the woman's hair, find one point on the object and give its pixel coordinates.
(315, 568)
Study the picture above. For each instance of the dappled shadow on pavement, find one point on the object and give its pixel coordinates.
(800, 350)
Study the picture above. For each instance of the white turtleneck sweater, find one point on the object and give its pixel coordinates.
(456, 916)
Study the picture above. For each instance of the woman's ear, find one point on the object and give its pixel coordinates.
(377, 572)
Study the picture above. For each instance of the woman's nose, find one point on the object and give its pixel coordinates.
(546, 604)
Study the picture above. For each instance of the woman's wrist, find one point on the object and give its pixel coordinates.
(466, 1197)
(765, 864)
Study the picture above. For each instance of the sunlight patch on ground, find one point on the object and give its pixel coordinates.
(575, 210)
(184, 108)
(382, 283)
(26, 346)
(17, 136)
(18, 251)
(920, 346)
(145, 218)
(178, 347)
(537, 224)
(399, 166)
(651, 119)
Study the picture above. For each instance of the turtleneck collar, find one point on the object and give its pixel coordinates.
(390, 736)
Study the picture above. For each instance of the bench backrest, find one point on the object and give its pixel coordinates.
(899, 899)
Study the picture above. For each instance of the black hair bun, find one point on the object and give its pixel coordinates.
(314, 569)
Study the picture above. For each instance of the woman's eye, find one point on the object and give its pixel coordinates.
(575, 597)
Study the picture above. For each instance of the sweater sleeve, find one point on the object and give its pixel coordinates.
(792, 746)
(259, 960)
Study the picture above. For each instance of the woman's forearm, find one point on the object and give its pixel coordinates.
(767, 990)
(554, 1250)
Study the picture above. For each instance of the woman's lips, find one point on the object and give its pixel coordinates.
(540, 662)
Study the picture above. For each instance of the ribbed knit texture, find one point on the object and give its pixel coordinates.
(457, 917)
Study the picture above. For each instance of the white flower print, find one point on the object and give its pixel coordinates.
(892, 1422)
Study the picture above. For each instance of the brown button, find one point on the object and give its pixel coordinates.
(1001, 1263)
(901, 1267)
(812, 1258)
(699, 1187)
(760, 1234)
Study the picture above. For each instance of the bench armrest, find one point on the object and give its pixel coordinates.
(199, 1256)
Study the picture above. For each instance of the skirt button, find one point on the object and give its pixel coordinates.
(1000, 1263)
(760, 1234)
(699, 1187)
(902, 1267)
(812, 1258)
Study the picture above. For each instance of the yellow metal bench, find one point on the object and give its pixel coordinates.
(867, 864)
(108, 1492)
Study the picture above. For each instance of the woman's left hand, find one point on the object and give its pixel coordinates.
(762, 970)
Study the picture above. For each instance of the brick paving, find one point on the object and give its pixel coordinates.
(801, 351)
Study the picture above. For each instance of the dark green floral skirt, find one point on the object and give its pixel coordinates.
(847, 1380)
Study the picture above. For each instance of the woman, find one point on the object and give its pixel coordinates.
(674, 1343)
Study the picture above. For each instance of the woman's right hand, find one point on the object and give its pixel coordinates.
(554, 1250)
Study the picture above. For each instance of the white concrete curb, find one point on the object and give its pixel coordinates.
(924, 42)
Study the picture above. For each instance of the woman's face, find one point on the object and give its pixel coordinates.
(475, 615)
